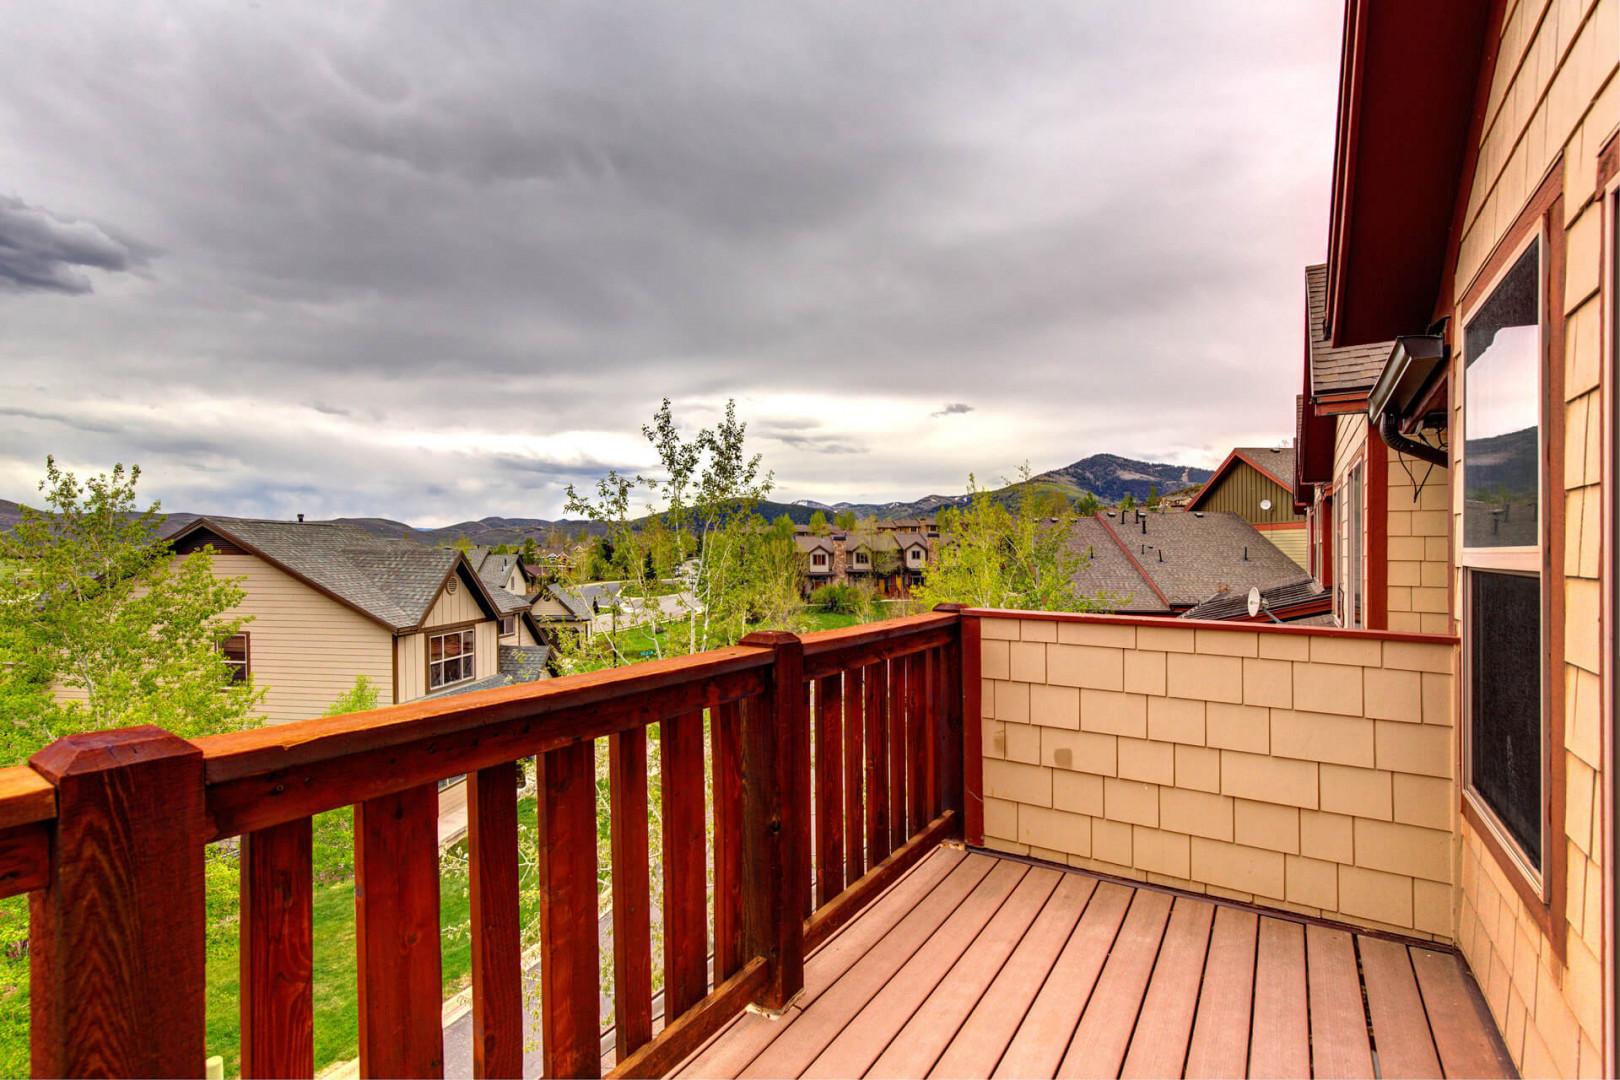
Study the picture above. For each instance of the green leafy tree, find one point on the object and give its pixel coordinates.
(730, 570)
(1153, 497)
(844, 520)
(995, 556)
(818, 523)
(1087, 505)
(361, 697)
(1128, 502)
(102, 627)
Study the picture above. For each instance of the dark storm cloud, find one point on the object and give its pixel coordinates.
(42, 251)
(437, 263)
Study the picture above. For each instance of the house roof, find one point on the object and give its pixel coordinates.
(1347, 371)
(1304, 594)
(807, 543)
(1186, 557)
(1109, 573)
(394, 582)
(1275, 464)
(580, 600)
(524, 663)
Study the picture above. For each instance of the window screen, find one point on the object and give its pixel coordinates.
(1505, 742)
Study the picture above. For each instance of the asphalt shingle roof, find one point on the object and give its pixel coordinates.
(1349, 369)
(1235, 605)
(1192, 555)
(1108, 574)
(395, 581)
(1279, 462)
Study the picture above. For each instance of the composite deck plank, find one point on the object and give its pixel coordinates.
(939, 1019)
(1401, 1027)
(1099, 1043)
(729, 1052)
(973, 1049)
(1464, 1033)
(853, 1050)
(1043, 1037)
(1164, 1028)
(1339, 1046)
(1220, 1042)
(795, 1047)
(1280, 1039)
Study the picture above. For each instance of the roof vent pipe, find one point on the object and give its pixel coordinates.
(1389, 427)
(300, 519)
(1245, 552)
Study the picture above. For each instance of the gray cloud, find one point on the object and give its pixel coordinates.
(40, 251)
(436, 265)
(953, 408)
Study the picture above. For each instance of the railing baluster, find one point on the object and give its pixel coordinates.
(277, 960)
(951, 720)
(686, 922)
(898, 815)
(854, 724)
(570, 1012)
(497, 946)
(116, 936)
(829, 789)
(396, 899)
(632, 891)
(916, 743)
(931, 702)
(776, 856)
(726, 738)
(876, 687)
(804, 800)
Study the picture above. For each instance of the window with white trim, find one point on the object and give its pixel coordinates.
(508, 626)
(238, 656)
(1501, 558)
(451, 658)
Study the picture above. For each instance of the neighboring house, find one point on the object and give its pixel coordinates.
(1257, 484)
(502, 570)
(889, 560)
(1456, 459)
(1145, 562)
(329, 602)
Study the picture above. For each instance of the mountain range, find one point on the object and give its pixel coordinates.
(1106, 476)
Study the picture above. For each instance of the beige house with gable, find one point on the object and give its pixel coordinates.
(329, 602)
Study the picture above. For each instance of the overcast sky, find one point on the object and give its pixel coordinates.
(431, 263)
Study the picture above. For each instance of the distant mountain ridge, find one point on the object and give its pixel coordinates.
(1107, 476)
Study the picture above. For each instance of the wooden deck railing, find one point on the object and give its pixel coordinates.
(837, 761)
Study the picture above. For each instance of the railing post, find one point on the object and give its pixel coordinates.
(972, 732)
(117, 935)
(776, 842)
(952, 759)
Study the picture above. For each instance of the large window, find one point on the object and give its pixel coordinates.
(450, 658)
(1503, 610)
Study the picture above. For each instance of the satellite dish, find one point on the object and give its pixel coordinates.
(1265, 504)
(1254, 601)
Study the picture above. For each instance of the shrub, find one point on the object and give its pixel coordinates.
(841, 599)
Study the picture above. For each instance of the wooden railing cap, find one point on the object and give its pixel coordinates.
(98, 751)
(770, 639)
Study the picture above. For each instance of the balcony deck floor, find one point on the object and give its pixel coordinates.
(975, 965)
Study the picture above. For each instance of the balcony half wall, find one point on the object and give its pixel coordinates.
(1309, 769)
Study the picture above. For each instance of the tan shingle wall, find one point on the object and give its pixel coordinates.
(1301, 771)
(1555, 92)
(1419, 564)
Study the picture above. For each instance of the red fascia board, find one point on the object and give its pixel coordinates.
(1406, 98)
